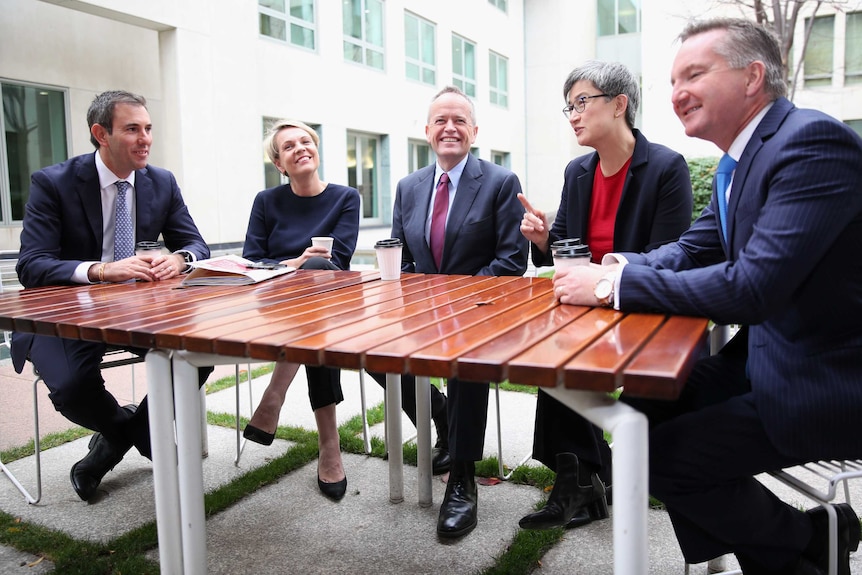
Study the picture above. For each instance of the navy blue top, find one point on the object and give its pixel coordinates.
(282, 224)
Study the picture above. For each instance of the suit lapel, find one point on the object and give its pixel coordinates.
(144, 193)
(468, 189)
(88, 180)
(765, 130)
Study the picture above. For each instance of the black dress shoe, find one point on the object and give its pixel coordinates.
(87, 474)
(440, 460)
(848, 537)
(334, 491)
(258, 435)
(458, 510)
(570, 505)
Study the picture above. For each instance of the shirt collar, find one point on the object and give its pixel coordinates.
(107, 177)
(454, 173)
(738, 145)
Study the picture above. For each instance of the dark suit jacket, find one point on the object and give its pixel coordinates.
(655, 206)
(483, 234)
(63, 224)
(791, 272)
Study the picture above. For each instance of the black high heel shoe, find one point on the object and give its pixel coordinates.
(570, 504)
(258, 435)
(334, 491)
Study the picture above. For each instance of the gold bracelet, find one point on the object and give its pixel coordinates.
(102, 272)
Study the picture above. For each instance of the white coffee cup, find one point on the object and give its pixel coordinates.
(567, 257)
(389, 258)
(322, 242)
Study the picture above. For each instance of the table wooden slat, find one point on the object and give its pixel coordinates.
(662, 366)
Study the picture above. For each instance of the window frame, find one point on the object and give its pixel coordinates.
(356, 177)
(6, 204)
(497, 94)
(819, 78)
(289, 22)
(423, 68)
(363, 45)
(853, 46)
(464, 82)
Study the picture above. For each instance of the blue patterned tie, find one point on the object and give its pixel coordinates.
(723, 174)
(124, 233)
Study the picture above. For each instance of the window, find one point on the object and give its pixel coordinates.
(856, 125)
(501, 4)
(363, 173)
(853, 49)
(500, 158)
(420, 49)
(276, 18)
(362, 21)
(420, 155)
(464, 65)
(498, 68)
(33, 119)
(618, 17)
(818, 55)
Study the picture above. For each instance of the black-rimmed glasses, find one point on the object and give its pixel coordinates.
(581, 104)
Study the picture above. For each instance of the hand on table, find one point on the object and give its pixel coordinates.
(576, 285)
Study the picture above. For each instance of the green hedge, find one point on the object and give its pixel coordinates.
(702, 171)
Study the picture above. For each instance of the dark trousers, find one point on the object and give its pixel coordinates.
(704, 450)
(70, 369)
(324, 383)
(467, 412)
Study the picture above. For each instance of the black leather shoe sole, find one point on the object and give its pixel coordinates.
(456, 533)
(252, 433)
(441, 462)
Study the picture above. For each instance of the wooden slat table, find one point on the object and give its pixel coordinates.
(474, 328)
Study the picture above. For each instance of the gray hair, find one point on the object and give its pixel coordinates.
(271, 146)
(456, 90)
(744, 43)
(611, 78)
(101, 110)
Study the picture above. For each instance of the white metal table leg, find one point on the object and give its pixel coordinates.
(393, 434)
(165, 476)
(423, 439)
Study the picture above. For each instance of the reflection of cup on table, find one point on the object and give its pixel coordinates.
(570, 256)
(389, 258)
(322, 242)
(567, 243)
(148, 249)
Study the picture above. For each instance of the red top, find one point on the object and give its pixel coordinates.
(607, 191)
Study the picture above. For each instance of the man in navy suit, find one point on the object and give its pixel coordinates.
(788, 388)
(482, 237)
(68, 239)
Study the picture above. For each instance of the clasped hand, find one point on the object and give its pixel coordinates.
(144, 268)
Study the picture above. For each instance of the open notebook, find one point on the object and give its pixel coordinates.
(232, 270)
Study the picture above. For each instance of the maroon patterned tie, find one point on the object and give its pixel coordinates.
(438, 219)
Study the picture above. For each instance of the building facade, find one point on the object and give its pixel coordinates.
(362, 72)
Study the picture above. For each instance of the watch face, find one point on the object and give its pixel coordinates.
(603, 289)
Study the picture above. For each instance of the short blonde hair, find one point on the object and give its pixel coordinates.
(269, 143)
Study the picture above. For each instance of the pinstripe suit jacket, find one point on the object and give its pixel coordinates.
(791, 273)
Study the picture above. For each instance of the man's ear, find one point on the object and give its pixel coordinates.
(755, 77)
(99, 132)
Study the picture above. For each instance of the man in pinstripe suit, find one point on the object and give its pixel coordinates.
(782, 258)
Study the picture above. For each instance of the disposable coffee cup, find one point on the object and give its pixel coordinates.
(571, 256)
(148, 248)
(322, 242)
(389, 258)
(567, 243)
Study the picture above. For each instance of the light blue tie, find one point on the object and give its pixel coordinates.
(723, 174)
(124, 233)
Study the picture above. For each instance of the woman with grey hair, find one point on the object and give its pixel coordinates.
(628, 195)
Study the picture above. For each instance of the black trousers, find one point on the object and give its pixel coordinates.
(70, 369)
(704, 450)
(466, 412)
